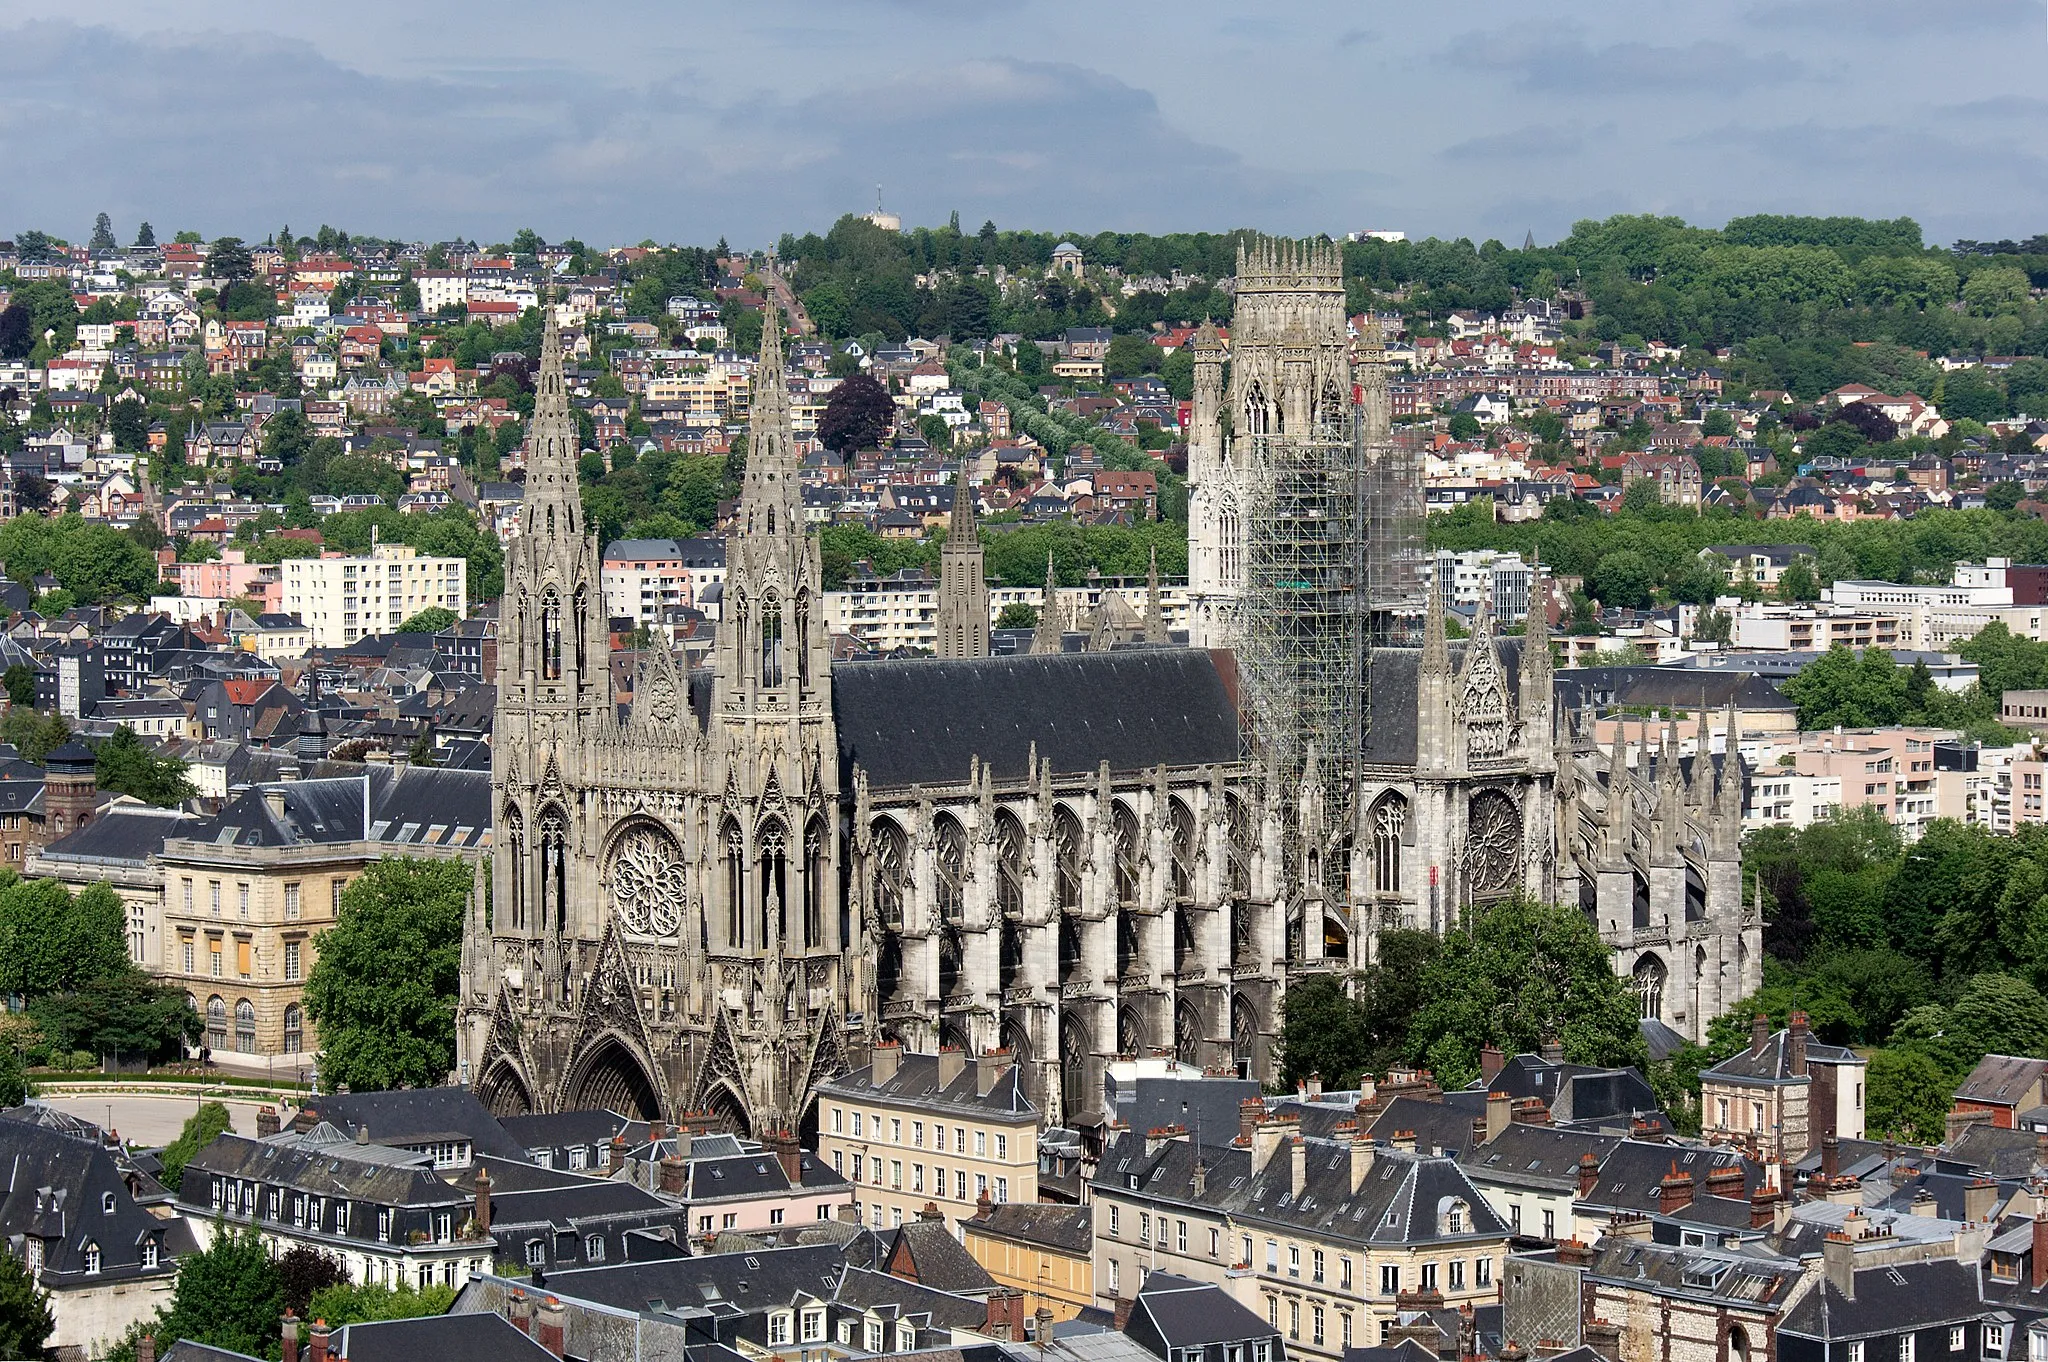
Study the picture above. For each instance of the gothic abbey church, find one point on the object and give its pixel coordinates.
(718, 896)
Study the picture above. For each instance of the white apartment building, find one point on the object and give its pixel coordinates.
(1481, 575)
(902, 610)
(343, 597)
(441, 288)
(645, 578)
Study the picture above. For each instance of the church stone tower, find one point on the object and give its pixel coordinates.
(963, 581)
(1290, 378)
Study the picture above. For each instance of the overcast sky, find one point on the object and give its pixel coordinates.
(688, 121)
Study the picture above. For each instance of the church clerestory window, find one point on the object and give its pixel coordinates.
(550, 636)
(771, 643)
(1389, 823)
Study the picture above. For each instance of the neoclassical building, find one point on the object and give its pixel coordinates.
(716, 899)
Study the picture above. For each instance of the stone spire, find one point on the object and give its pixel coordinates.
(1435, 705)
(963, 624)
(1047, 637)
(1155, 618)
(551, 440)
(1727, 820)
(1617, 823)
(771, 493)
(1670, 816)
(1537, 684)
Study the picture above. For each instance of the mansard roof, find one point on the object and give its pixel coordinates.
(924, 721)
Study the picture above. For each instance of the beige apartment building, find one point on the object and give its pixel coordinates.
(1891, 769)
(1784, 1094)
(942, 1130)
(341, 598)
(248, 891)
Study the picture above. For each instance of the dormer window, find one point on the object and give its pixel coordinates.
(106, 1203)
(92, 1259)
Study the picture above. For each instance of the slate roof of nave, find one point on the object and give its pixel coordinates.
(1390, 735)
(923, 721)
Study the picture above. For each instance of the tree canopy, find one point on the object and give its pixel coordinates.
(383, 988)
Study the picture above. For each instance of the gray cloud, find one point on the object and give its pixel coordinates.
(685, 124)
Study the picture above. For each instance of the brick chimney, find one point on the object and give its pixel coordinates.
(1830, 1160)
(482, 1213)
(1589, 1174)
(1552, 1050)
(672, 1175)
(952, 1063)
(1123, 1311)
(989, 1070)
(288, 1337)
(1604, 1338)
(1759, 1033)
(519, 1310)
(1491, 1062)
(1404, 1140)
(1725, 1180)
(615, 1155)
(1250, 1112)
(1674, 1193)
(882, 1064)
(1362, 1153)
(1574, 1253)
(782, 1143)
(1158, 1137)
(550, 1326)
(1795, 1044)
(2040, 1254)
(1763, 1207)
(1005, 1315)
(266, 1122)
(657, 1131)
(145, 1347)
(316, 1342)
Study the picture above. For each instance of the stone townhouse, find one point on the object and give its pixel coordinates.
(1329, 1239)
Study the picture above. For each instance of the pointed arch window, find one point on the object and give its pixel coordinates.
(1181, 823)
(1389, 826)
(774, 863)
(1009, 864)
(814, 884)
(735, 886)
(1124, 826)
(550, 635)
(554, 870)
(1239, 817)
(886, 874)
(582, 629)
(771, 643)
(515, 839)
(1230, 542)
(1258, 412)
(949, 844)
(1066, 859)
(801, 639)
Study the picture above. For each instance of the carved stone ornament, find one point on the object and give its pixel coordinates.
(649, 884)
(1493, 842)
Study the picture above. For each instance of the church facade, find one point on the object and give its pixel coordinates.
(714, 898)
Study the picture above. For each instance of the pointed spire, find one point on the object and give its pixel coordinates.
(551, 440)
(960, 529)
(1436, 647)
(1046, 639)
(1155, 618)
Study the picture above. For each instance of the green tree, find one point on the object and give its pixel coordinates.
(229, 261)
(423, 752)
(14, 1088)
(1130, 355)
(432, 620)
(1517, 974)
(856, 415)
(1465, 426)
(229, 1295)
(308, 1271)
(1323, 1031)
(2004, 495)
(53, 942)
(20, 681)
(124, 763)
(33, 735)
(145, 235)
(201, 1128)
(1623, 578)
(384, 989)
(1910, 1095)
(102, 234)
(1797, 582)
(25, 1319)
(349, 1303)
(124, 1014)
(1018, 615)
(1839, 687)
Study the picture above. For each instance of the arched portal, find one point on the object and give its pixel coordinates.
(503, 1091)
(612, 1079)
(727, 1111)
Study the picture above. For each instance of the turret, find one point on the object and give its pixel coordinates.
(1046, 639)
(1155, 615)
(1205, 436)
(1435, 711)
(1727, 822)
(1537, 682)
(962, 622)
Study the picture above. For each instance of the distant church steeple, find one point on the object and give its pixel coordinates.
(963, 580)
(1047, 637)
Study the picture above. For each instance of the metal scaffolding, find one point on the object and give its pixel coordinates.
(1305, 644)
(1394, 578)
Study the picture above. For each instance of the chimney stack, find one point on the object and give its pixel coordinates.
(2040, 1254)
(288, 1337)
(782, 1143)
(1759, 1033)
(1979, 1196)
(1589, 1174)
(1250, 1112)
(1362, 1152)
(1795, 1044)
(672, 1175)
(266, 1122)
(1762, 1208)
(1315, 1087)
(1830, 1159)
(145, 1347)
(1674, 1193)
(483, 1200)
(1500, 1114)
(1838, 1256)
(1552, 1051)
(1005, 1315)
(990, 1070)
(519, 1310)
(1201, 1178)
(615, 1155)
(1491, 1062)
(316, 1342)
(1123, 1311)
(882, 1064)
(952, 1064)
(1265, 1143)
(550, 1326)
(1298, 1166)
